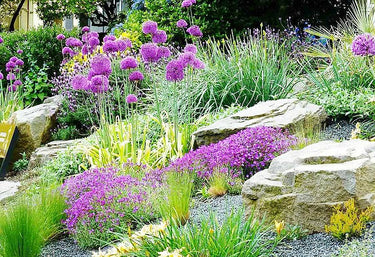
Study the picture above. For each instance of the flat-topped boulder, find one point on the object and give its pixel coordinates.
(301, 186)
(34, 125)
(285, 113)
(45, 153)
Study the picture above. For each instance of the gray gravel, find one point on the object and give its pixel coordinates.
(338, 130)
(64, 247)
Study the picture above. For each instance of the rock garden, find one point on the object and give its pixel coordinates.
(157, 139)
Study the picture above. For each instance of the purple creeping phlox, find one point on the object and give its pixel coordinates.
(363, 45)
(244, 153)
(100, 201)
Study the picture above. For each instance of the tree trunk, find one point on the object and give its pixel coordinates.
(15, 15)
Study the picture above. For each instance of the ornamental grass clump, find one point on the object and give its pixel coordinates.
(240, 155)
(102, 201)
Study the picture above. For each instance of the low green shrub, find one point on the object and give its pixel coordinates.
(39, 45)
(21, 164)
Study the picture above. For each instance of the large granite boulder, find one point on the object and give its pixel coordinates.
(285, 113)
(301, 187)
(45, 153)
(34, 125)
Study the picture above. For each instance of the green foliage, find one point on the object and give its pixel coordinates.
(356, 248)
(293, 232)
(21, 164)
(174, 203)
(9, 103)
(35, 85)
(39, 46)
(348, 221)
(66, 163)
(28, 223)
(234, 237)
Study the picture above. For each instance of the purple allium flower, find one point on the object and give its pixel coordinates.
(67, 50)
(190, 48)
(244, 153)
(60, 37)
(11, 76)
(160, 36)
(92, 34)
(136, 75)
(194, 1)
(149, 27)
(10, 65)
(94, 41)
(109, 38)
(1, 76)
(85, 29)
(101, 65)
(1, 40)
(12, 88)
(99, 84)
(17, 70)
(110, 47)
(122, 45)
(186, 58)
(198, 64)
(194, 31)
(363, 45)
(13, 59)
(164, 52)
(19, 51)
(19, 62)
(149, 52)
(73, 42)
(17, 83)
(80, 82)
(174, 71)
(131, 99)
(128, 62)
(85, 49)
(187, 3)
(182, 23)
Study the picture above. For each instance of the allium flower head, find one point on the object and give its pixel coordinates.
(13, 59)
(60, 37)
(73, 42)
(17, 83)
(19, 51)
(160, 36)
(12, 88)
(198, 64)
(174, 71)
(182, 23)
(94, 41)
(85, 29)
(67, 50)
(80, 82)
(194, 31)
(149, 52)
(135, 76)
(19, 62)
(363, 45)
(128, 62)
(131, 99)
(109, 38)
(1, 76)
(1, 40)
(186, 58)
(11, 76)
(122, 44)
(10, 65)
(190, 48)
(110, 47)
(187, 3)
(92, 34)
(149, 27)
(101, 65)
(164, 52)
(99, 84)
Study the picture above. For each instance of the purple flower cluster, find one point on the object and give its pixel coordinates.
(244, 153)
(100, 201)
(158, 36)
(188, 3)
(363, 45)
(175, 68)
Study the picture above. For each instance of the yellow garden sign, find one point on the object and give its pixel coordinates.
(8, 136)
